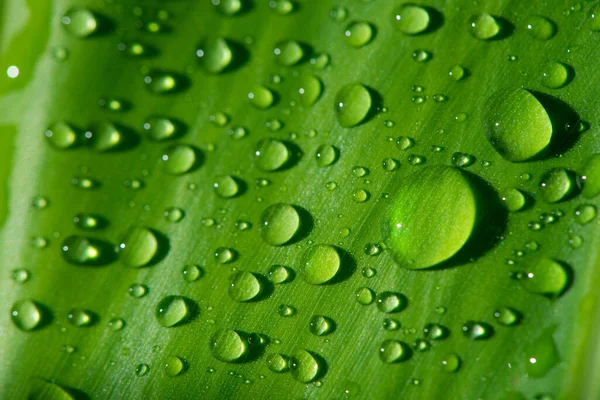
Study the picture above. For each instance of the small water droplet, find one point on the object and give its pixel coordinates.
(138, 248)
(244, 286)
(179, 159)
(288, 52)
(546, 277)
(507, 316)
(365, 296)
(160, 128)
(174, 366)
(352, 104)
(215, 55)
(555, 75)
(28, 315)
(411, 19)
(555, 185)
(261, 97)
(392, 351)
(142, 369)
(174, 311)
(450, 363)
(224, 255)
(476, 330)
(540, 28)
(585, 213)
(359, 33)
(272, 155)
(304, 366)
(321, 325)
(277, 362)
(81, 318)
(279, 224)
(80, 22)
(483, 26)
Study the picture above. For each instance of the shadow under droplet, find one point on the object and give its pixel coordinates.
(105, 26)
(507, 28)
(163, 248)
(347, 267)
(306, 225)
(436, 20)
(240, 56)
(376, 105)
(46, 315)
(266, 288)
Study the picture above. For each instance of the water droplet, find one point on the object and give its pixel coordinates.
(160, 82)
(80, 22)
(38, 242)
(360, 196)
(304, 366)
(278, 274)
(517, 125)
(179, 159)
(282, 7)
(365, 296)
(20, 275)
(81, 318)
(279, 223)
(546, 277)
(115, 324)
(575, 241)
(435, 332)
(352, 104)
(310, 88)
(142, 369)
(507, 316)
(390, 302)
(411, 19)
(227, 186)
(421, 56)
(173, 214)
(540, 28)
(326, 155)
(320, 264)
(513, 199)
(392, 351)
(261, 97)
(174, 366)
(229, 346)
(160, 128)
(320, 61)
(457, 72)
(81, 250)
(338, 13)
(358, 33)
(404, 143)
(585, 213)
(555, 75)
(224, 255)
(419, 228)
(321, 325)
(414, 159)
(421, 345)
(228, 7)
(138, 248)
(192, 273)
(591, 176)
(271, 155)
(391, 324)
(174, 311)
(450, 363)
(286, 310)
(483, 26)
(243, 286)
(476, 330)
(440, 310)
(289, 53)
(277, 362)
(541, 355)
(555, 185)
(215, 55)
(137, 290)
(61, 135)
(462, 160)
(27, 315)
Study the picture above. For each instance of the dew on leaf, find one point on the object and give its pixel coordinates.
(224, 255)
(81, 318)
(61, 135)
(139, 247)
(179, 159)
(80, 250)
(215, 54)
(278, 274)
(392, 351)
(483, 26)
(555, 185)
(289, 52)
(310, 88)
(585, 213)
(390, 302)
(547, 277)
(80, 22)
(244, 286)
(513, 199)
(137, 290)
(326, 155)
(304, 366)
(359, 33)
(174, 311)
(277, 362)
(507, 316)
(160, 82)
(279, 223)
(271, 155)
(411, 19)
(261, 97)
(476, 330)
(591, 177)
(540, 28)
(364, 296)
(541, 355)
(450, 363)
(352, 104)
(555, 75)
(321, 325)
(160, 128)
(28, 315)
(227, 186)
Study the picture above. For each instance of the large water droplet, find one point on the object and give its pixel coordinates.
(174, 311)
(61, 135)
(244, 286)
(450, 363)
(229, 346)
(289, 53)
(229, 7)
(484, 26)
(555, 185)
(179, 159)
(541, 355)
(310, 88)
(513, 199)
(591, 177)
(547, 277)
(160, 128)
(540, 28)
(390, 302)
(80, 22)
(431, 217)
(227, 186)
(476, 330)
(215, 55)
(106, 136)
(261, 97)
(27, 315)
(411, 19)
(81, 318)
(585, 213)
(174, 366)
(279, 224)
(271, 155)
(507, 316)
(138, 248)
(352, 104)
(326, 155)
(304, 366)
(320, 264)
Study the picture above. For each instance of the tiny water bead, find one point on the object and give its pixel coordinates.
(326, 155)
(277, 362)
(411, 19)
(462, 160)
(540, 28)
(27, 315)
(160, 128)
(229, 346)
(359, 33)
(430, 218)
(61, 135)
(174, 366)
(390, 324)
(142, 369)
(85, 183)
(282, 7)
(271, 155)
(286, 310)
(81, 250)
(137, 290)
(88, 222)
(179, 159)
(40, 202)
(243, 286)
(174, 311)
(360, 196)
(227, 186)
(310, 89)
(555, 75)
(289, 53)
(139, 247)
(261, 97)
(547, 277)
(483, 26)
(392, 351)
(81, 318)
(224, 255)
(585, 213)
(320, 264)
(390, 164)
(414, 159)
(541, 355)
(435, 332)
(173, 214)
(591, 177)
(219, 119)
(450, 363)
(279, 224)
(476, 330)
(279, 274)
(352, 104)
(556, 184)
(507, 316)
(421, 345)
(404, 143)
(115, 324)
(192, 273)
(159, 82)
(20, 275)
(390, 302)
(80, 22)
(513, 199)
(304, 366)
(421, 56)
(215, 55)
(321, 325)
(365, 296)
(338, 13)
(575, 241)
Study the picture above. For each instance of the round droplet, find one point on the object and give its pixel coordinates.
(462, 160)
(289, 53)
(20, 275)
(352, 104)
(390, 324)
(555, 75)
(591, 177)
(555, 185)
(192, 273)
(138, 248)
(174, 311)
(513, 199)
(159, 82)
(27, 315)
(282, 7)
(365, 296)
(142, 369)
(160, 128)
(277, 362)
(411, 19)
(179, 159)
(173, 214)
(80, 22)
(476, 330)
(326, 155)
(243, 286)
(435, 332)
(271, 155)
(224, 255)
(61, 135)
(541, 355)
(115, 324)
(174, 366)
(450, 363)
(421, 56)
(392, 351)
(215, 55)
(338, 13)
(320, 325)
(390, 302)
(540, 28)
(593, 22)
(358, 33)
(81, 318)
(507, 316)
(404, 143)
(278, 274)
(320, 264)
(546, 277)
(431, 217)
(106, 137)
(517, 125)
(88, 222)
(286, 310)
(229, 346)
(137, 290)
(261, 97)
(39, 202)
(80, 250)
(457, 72)
(228, 7)
(585, 213)
(227, 186)
(279, 224)
(483, 26)
(310, 90)
(304, 366)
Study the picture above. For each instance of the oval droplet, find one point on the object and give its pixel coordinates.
(229, 346)
(279, 224)
(540, 28)
(227, 186)
(546, 277)
(483, 26)
(411, 19)
(585, 213)
(326, 155)
(513, 199)
(27, 315)
(215, 55)
(358, 33)
(365, 296)
(160, 128)
(61, 135)
(392, 351)
(244, 286)
(320, 264)
(390, 302)
(261, 97)
(80, 22)
(138, 248)
(556, 185)
(507, 316)
(541, 355)
(81, 318)
(174, 311)
(304, 366)
(321, 325)
(555, 75)
(476, 330)
(179, 159)
(352, 104)
(271, 155)
(81, 250)
(591, 177)
(310, 90)
(450, 363)
(174, 366)
(289, 53)
(279, 274)
(277, 362)
(160, 82)
(106, 136)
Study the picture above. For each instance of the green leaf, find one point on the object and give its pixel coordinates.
(145, 144)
